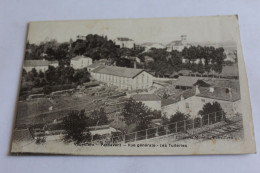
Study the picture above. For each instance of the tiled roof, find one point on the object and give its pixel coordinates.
(224, 83)
(166, 102)
(96, 64)
(96, 70)
(35, 63)
(118, 71)
(79, 57)
(187, 81)
(146, 97)
(221, 93)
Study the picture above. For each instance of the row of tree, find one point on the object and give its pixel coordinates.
(94, 46)
(166, 63)
(99, 47)
(53, 79)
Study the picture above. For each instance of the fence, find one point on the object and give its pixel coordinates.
(170, 129)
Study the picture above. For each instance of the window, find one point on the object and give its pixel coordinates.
(187, 105)
(203, 100)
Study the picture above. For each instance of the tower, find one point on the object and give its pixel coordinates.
(184, 39)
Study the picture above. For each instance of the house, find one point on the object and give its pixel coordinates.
(38, 65)
(178, 45)
(123, 78)
(152, 101)
(191, 101)
(80, 62)
(193, 61)
(124, 42)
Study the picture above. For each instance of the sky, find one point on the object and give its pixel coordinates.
(160, 30)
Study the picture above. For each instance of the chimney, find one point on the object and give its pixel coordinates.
(211, 89)
(197, 91)
(134, 64)
(230, 93)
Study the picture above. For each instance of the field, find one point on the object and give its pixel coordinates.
(40, 111)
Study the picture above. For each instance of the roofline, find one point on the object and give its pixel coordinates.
(141, 72)
(218, 98)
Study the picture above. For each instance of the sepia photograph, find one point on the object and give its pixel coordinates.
(155, 86)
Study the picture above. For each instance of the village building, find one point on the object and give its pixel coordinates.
(178, 45)
(124, 42)
(191, 101)
(123, 78)
(38, 65)
(152, 101)
(80, 62)
(194, 61)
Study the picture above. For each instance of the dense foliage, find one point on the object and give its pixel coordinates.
(212, 113)
(98, 117)
(136, 113)
(99, 47)
(76, 128)
(166, 63)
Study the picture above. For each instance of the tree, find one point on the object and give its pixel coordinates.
(47, 89)
(98, 117)
(136, 113)
(200, 67)
(41, 74)
(50, 74)
(76, 128)
(211, 113)
(178, 120)
(34, 72)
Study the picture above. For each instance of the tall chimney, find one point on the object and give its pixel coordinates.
(197, 91)
(134, 64)
(230, 94)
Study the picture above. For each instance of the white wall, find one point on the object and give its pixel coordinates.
(193, 105)
(81, 63)
(37, 68)
(153, 105)
(142, 81)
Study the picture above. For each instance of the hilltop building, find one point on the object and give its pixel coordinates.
(178, 45)
(39, 65)
(122, 77)
(80, 62)
(124, 42)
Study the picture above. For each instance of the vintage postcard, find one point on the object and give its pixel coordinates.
(166, 86)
